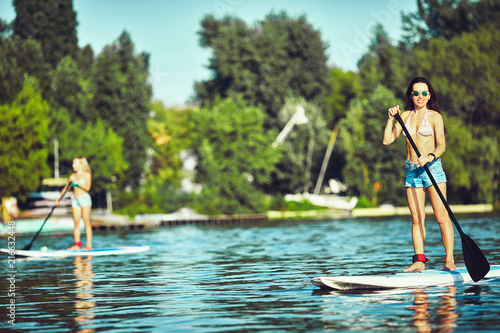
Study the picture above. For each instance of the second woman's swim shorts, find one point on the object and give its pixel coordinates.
(82, 201)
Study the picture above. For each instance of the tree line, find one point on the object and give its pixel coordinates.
(100, 106)
(96, 106)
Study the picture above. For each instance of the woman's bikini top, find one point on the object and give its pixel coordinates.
(75, 184)
(425, 128)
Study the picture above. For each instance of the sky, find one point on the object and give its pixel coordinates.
(168, 31)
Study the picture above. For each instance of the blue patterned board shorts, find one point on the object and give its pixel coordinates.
(416, 176)
(83, 201)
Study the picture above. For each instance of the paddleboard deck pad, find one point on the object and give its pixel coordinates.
(430, 277)
(73, 253)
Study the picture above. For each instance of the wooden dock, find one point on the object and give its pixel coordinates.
(112, 224)
(217, 220)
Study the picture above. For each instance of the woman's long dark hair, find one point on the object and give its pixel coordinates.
(432, 104)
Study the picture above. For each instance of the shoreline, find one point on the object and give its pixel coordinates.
(103, 222)
(398, 211)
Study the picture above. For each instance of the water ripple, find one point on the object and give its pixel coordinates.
(252, 278)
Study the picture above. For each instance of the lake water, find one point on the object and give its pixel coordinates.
(250, 278)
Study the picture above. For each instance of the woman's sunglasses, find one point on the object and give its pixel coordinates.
(416, 93)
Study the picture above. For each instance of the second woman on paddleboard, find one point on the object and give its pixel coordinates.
(425, 125)
(81, 205)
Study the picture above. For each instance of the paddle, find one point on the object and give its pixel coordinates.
(28, 247)
(475, 261)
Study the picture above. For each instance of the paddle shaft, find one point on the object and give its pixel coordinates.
(28, 247)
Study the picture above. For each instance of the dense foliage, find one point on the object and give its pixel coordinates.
(121, 97)
(448, 19)
(51, 23)
(368, 161)
(99, 106)
(277, 58)
(234, 155)
(23, 136)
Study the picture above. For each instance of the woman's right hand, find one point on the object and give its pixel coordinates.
(393, 111)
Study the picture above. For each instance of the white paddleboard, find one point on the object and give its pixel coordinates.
(73, 253)
(430, 277)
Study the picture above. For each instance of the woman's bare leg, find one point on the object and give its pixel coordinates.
(88, 227)
(77, 215)
(416, 203)
(445, 224)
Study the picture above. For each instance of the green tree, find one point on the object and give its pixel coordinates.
(467, 72)
(69, 90)
(52, 23)
(85, 59)
(279, 57)
(172, 132)
(234, 156)
(17, 59)
(121, 97)
(367, 160)
(448, 19)
(346, 86)
(5, 30)
(385, 64)
(155, 196)
(102, 147)
(471, 161)
(95, 140)
(23, 135)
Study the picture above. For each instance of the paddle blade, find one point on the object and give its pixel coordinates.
(475, 261)
(28, 247)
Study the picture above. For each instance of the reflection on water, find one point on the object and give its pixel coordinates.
(251, 278)
(84, 301)
(446, 315)
(446, 311)
(421, 309)
(430, 313)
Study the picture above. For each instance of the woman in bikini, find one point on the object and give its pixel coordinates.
(81, 204)
(425, 124)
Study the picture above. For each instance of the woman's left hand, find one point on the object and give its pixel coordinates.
(425, 159)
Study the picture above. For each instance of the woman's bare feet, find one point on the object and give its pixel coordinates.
(87, 248)
(416, 266)
(449, 266)
(74, 247)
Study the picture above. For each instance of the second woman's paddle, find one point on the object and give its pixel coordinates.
(28, 247)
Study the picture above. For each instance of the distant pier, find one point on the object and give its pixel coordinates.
(223, 219)
(113, 223)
